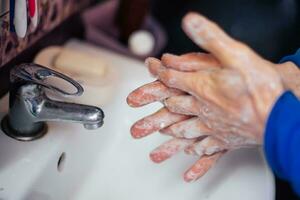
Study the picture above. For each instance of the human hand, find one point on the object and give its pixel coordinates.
(228, 125)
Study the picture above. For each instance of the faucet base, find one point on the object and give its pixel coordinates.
(21, 136)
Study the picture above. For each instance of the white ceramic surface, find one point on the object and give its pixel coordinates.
(108, 164)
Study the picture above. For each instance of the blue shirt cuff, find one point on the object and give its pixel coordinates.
(282, 134)
(295, 58)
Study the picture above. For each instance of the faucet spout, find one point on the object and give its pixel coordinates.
(90, 116)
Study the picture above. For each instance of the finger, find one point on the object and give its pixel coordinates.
(168, 149)
(153, 65)
(190, 61)
(219, 87)
(155, 122)
(171, 78)
(209, 113)
(182, 104)
(212, 38)
(206, 146)
(215, 86)
(151, 92)
(190, 128)
(184, 81)
(201, 167)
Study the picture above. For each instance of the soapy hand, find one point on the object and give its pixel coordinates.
(215, 102)
(210, 149)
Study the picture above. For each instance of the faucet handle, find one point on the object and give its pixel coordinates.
(38, 74)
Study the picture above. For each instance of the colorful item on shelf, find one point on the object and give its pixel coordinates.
(31, 7)
(20, 18)
(48, 15)
(33, 12)
(12, 15)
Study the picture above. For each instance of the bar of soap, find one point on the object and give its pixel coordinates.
(47, 56)
(85, 65)
(80, 64)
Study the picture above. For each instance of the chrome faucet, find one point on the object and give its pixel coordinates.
(30, 107)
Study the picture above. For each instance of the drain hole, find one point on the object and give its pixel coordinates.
(61, 162)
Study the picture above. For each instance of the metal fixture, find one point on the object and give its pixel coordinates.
(30, 107)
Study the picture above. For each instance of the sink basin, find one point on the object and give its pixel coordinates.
(77, 164)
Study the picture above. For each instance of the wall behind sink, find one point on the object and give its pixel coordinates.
(59, 21)
(51, 14)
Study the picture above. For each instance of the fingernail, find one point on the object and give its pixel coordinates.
(130, 101)
(147, 61)
(152, 64)
(189, 177)
(193, 19)
(158, 157)
(193, 26)
(141, 129)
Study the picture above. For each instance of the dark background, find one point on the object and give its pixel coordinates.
(271, 27)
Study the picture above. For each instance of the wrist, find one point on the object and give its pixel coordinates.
(290, 75)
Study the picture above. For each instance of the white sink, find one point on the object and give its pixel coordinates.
(108, 164)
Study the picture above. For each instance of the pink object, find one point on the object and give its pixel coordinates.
(100, 29)
(31, 6)
(33, 12)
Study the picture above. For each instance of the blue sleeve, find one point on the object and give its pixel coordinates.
(295, 58)
(282, 139)
(282, 135)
